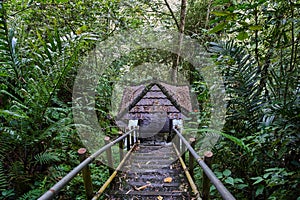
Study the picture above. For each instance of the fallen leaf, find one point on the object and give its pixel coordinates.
(168, 180)
(160, 198)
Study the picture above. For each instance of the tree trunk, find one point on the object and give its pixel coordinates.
(176, 58)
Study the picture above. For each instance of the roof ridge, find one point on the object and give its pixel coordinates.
(146, 89)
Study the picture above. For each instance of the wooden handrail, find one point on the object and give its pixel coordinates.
(209, 173)
(109, 180)
(66, 179)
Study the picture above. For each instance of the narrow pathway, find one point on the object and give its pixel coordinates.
(151, 172)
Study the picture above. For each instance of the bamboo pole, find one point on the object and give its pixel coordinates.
(206, 182)
(109, 180)
(86, 174)
(188, 176)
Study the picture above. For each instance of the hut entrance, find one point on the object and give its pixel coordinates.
(155, 107)
(157, 128)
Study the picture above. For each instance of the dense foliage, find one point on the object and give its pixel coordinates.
(255, 45)
(260, 66)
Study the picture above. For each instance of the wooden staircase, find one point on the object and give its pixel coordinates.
(151, 172)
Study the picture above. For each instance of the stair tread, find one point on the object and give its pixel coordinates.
(149, 193)
(151, 164)
(150, 176)
(162, 184)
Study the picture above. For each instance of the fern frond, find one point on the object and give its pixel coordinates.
(8, 55)
(46, 158)
(56, 172)
(3, 178)
(236, 140)
(4, 142)
(32, 194)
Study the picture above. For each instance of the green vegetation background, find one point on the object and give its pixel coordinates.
(255, 46)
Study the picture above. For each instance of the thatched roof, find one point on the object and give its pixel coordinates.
(176, 98)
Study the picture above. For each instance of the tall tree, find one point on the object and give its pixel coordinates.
(176, 59)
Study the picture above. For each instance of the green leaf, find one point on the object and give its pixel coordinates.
(227, 172)
(259, 190)
(8, 193)
(14, 114)
(238, 180)
(3, 178)
(242, 36)
(255, 27)
(230, 137)
(219, 175)
(241, 186)
(221, 13)
(258, 180)
(218, 28)
(46, 157)
(229, 180)
(267, 174)
(274, 169)
(243, 23)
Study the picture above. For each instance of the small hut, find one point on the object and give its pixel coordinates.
(155, 107)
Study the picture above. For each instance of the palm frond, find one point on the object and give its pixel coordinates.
(241, 79)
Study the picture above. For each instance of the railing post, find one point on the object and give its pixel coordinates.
(206, 182)
(191, 157)
(128, 142)
(86, 175)
(109, 156)
(177, 140)
(132, 136)
(183, 151)
(121, 146)
(137, 134)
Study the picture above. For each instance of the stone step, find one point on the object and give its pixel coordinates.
(151, 162)
(154, 147)
(153, 184)
(145, 195)
(155, 154)
(153, 157)
(147, 171)
(135, 166)
(143, 175)
(162, 151)
(152, 177)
